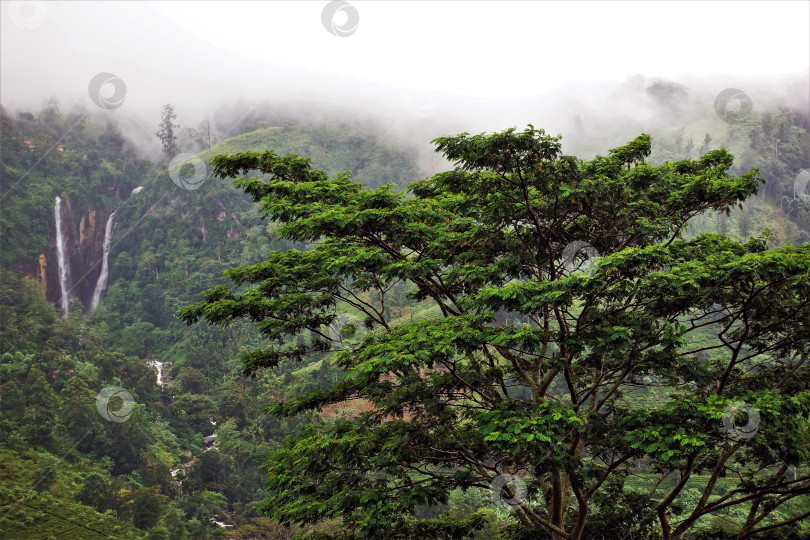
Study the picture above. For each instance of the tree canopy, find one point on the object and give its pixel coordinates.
(524, 377)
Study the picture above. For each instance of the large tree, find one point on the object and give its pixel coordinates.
(166, 131)
(531, 363)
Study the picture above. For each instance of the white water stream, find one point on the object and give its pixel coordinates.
(159, 367)
(101, 284)
(61, 257)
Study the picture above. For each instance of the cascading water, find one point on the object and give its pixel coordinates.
(61, 257)
(159, 368)
(101, 284)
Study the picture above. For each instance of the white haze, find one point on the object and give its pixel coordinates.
(419, 68)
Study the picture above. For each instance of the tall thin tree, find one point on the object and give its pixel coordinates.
(166, 131)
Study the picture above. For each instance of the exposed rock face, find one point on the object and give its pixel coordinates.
(43, 275)
(89, 218)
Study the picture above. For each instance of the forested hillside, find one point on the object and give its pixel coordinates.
(161, 466)
(175, 450)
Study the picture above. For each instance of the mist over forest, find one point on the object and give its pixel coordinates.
(404, 270)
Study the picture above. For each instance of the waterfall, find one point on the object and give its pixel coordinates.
(101, 284)
(61, 257)
(159, 367)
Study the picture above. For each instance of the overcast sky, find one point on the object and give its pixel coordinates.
(365, 54)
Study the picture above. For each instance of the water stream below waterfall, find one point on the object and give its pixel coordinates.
(209, 443)
(159, 367)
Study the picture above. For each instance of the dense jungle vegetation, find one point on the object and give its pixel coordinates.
(206, 450)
